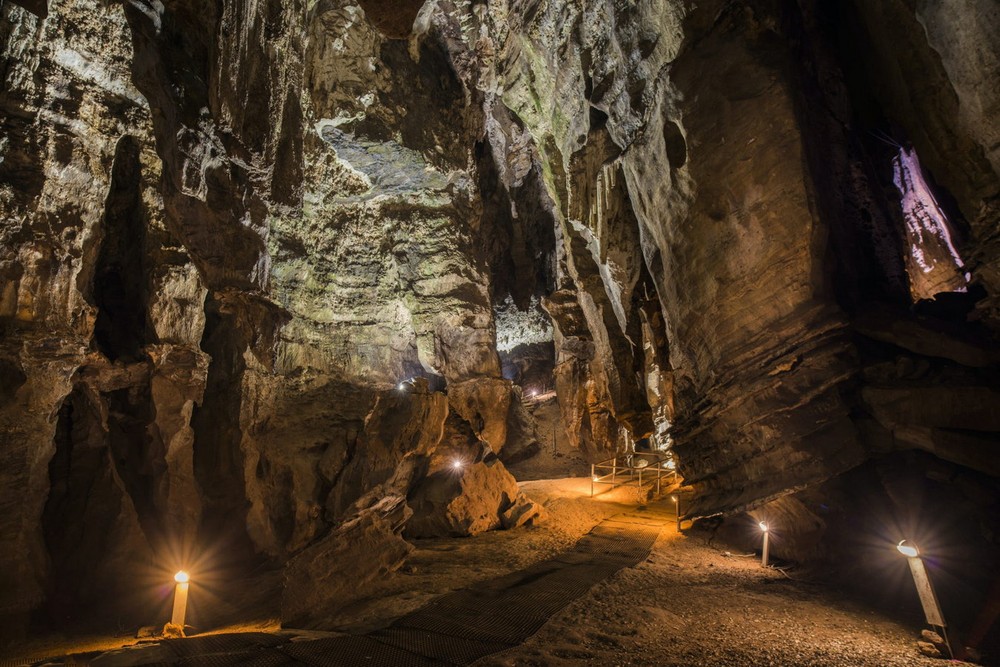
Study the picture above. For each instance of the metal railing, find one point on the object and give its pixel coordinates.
(635, 467)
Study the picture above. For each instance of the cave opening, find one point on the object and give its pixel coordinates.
(899, 232)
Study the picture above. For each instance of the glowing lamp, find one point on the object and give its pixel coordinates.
(180, 598)
(596, 479)
(925, 590)
(764, 551)
(456, 464)
(401, 386)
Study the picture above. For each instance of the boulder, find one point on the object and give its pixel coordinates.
(523, 511)
(334, 571)
(485, 404)
(401, 431)
(462, 501)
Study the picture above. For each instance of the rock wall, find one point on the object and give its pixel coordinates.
(258, 261)
(102, 319)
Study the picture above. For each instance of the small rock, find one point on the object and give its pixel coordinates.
(173, 631)
(521, 512)
(932, 637)
(929, 649)
(146, 631)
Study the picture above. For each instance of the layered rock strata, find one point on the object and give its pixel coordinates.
(258, 261)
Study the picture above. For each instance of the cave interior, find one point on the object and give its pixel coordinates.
(293, 292)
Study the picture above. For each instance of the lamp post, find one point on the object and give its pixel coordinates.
(764, 551)
(928, 600)
(180, 598)
(677, 510)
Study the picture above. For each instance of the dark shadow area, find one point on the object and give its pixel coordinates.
(12, 378)
(119, 280)
(96, 550)
(218, 457)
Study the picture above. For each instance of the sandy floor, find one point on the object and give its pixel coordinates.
(443, 565)
(691, 604)
(688, 604)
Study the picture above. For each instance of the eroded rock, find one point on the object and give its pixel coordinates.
(462, 500)
(233, 231)
(333, 572)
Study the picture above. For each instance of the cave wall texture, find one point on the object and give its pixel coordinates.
(258, 259)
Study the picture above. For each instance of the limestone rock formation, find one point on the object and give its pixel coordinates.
(462, 498)
(332, 573)
(265, 266)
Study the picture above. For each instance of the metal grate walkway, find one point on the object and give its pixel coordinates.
(455, 629)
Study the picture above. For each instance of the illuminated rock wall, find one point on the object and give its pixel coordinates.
(231, 231)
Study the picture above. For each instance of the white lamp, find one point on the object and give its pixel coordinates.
(764, 551)
(928, 600)
(180, 598)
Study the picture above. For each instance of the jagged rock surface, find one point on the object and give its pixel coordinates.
(332, 573)
(247, 248)
(462, 498)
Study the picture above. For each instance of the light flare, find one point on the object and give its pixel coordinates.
(907, 550)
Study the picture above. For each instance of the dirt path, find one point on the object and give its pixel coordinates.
(688, 603)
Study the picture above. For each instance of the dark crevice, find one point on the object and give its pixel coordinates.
(676, 146)
(218, 456)
(139, 458)
(12, 378)
(79, 517)
(39, 8)
(119, 280)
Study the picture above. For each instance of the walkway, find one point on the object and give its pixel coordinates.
(455, 629)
